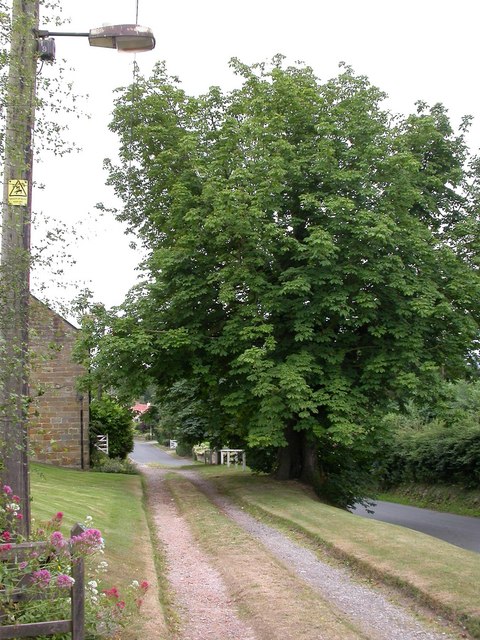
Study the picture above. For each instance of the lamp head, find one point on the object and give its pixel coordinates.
(123, 37)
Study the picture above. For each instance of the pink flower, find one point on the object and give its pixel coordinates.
(94, 536)
(5, 547)
(112, 593)
(144, 585)
(88, 542)
(64, 581)
(41, 578)
(57, 540)
(6, 536)
(58, 517)
(23, 565)
(15, 499)
(19, 516)
(121, 604)
(7, 490)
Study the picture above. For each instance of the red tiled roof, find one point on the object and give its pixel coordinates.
(140, 408)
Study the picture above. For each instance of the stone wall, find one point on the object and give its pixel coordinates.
(58, 421)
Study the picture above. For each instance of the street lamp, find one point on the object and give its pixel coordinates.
(28, 44)
(123, 37)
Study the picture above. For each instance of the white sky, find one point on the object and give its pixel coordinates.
(423, 49)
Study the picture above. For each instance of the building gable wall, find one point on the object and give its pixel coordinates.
(58, 421)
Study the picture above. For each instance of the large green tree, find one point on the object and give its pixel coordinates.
(310, 256)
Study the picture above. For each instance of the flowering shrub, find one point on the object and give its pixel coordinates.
(45, 570)
(9, 513)
(111, 607)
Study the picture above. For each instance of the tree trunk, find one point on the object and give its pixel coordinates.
(312, 472)
(290, 457)
(300, 459)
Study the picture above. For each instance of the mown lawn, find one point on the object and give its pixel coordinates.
(115, 503)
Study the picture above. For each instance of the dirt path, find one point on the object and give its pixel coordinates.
(274, 589)
(205, 608)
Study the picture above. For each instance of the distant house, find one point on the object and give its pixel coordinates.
(58, 421)
(138, 410)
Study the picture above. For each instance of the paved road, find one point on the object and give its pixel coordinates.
(145, 452)
(459, 530)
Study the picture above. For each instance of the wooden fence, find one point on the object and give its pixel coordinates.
(75, 625)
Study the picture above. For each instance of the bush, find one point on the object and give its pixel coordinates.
(104, 464)
(261, 460)
(108, 417)
(434, 452)
(349, 470)
(183, 450)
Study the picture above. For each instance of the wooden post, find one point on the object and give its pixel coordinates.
(15, 256)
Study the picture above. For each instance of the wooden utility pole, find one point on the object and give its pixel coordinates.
(15, 255)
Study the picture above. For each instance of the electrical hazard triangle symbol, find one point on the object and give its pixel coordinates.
(18, 192)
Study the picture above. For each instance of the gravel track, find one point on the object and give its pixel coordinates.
(366, 607)
(207, 611)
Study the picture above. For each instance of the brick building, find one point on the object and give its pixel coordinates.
(58, 422)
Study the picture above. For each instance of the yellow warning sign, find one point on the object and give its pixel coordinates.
(18, 192)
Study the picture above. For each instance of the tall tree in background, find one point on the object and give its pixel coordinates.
(310, 257)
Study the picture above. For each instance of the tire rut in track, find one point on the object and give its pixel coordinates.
(205, 609)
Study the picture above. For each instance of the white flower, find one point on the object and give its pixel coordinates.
(135, 584)
(88, 520)
(92, 584)
(102, 567)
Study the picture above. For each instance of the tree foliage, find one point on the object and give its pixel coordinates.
(108, 417)
(436, 442)
(180, 415)
(310, 256)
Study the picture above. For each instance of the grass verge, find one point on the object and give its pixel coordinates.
(438, 574)
(114, 502)
(448, 498)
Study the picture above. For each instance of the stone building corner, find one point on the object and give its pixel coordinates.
(59, 415)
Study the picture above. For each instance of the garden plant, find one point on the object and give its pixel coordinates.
(46, 571)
